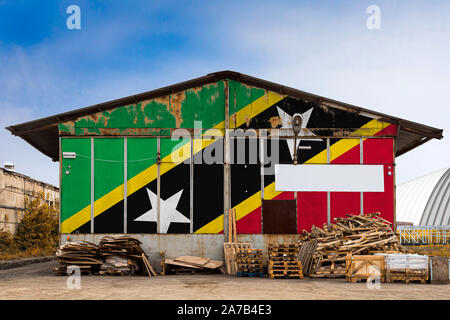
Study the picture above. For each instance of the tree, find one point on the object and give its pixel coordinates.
(39, 225)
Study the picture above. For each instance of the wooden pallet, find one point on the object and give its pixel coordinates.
(332, 270)
(284, 245)
(248, 251)
(230, 249)
(284, 263)
(250, 274)
(282, 258)
(285, 250)
(285, 276)
(282, 254)
(406, 276)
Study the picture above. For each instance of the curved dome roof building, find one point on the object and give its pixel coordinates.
(425, 201)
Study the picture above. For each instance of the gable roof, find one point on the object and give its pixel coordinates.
(43, 133)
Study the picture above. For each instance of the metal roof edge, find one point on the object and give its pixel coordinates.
(46, 122)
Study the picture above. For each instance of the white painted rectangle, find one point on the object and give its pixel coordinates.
(328, 177)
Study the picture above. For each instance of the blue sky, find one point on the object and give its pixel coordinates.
(323, 47)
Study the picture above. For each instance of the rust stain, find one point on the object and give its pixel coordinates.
(175, 107)
(197, 89)
(275, 121)
(109, 131)
(144, 104)
(247, 120)
(233, 119)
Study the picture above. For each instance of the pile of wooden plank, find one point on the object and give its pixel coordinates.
(356, 235)
(123, 255)
(83, 255)
(123, 246)
(283, 261)
(192, 265)
(120, 255)
(249, 262)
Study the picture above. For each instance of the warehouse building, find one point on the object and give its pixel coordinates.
(168, 164)
(14, 189)
(425, 201)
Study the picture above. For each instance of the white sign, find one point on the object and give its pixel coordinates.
(329, 177)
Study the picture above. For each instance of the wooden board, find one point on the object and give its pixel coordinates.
(213, 264)
(148, 266)
(181, 264)
(193, 260)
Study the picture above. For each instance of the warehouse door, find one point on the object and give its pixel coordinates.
(279, 217)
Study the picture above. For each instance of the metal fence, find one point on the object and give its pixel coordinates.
(424, 234)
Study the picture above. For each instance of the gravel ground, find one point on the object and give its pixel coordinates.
(36, 281)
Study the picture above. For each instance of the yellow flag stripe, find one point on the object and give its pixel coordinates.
(151, 173)
(337, 149)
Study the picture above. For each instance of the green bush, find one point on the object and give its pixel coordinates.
(38, 227)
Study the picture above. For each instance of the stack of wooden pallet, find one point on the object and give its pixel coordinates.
(192, 265)
(356, 235)
(83, 255)
(230, 250)
(249, 262)
(283, 261)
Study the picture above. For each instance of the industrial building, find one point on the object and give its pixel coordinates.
(423, 209)
(168, 164)
(14, 188)
(425, 201)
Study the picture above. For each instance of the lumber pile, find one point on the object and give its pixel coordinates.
(83, 255)
(120, 255)
(123, 255)
(355, 235)
(192, 265)
(283, 261)
(123, 246)
(249, 262)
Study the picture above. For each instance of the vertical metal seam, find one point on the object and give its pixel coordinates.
(226, 168)
(92, 184)
(261, 153)
(191, 186)
(125, 185)
(361, 161)
(60, 189)
(328, 192)
(158, 187)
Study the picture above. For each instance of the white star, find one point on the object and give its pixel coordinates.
(286, 124)
(168, 209)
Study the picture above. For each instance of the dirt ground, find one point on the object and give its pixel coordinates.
(36, 281)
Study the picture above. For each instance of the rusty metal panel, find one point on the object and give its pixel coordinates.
(279, 216)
